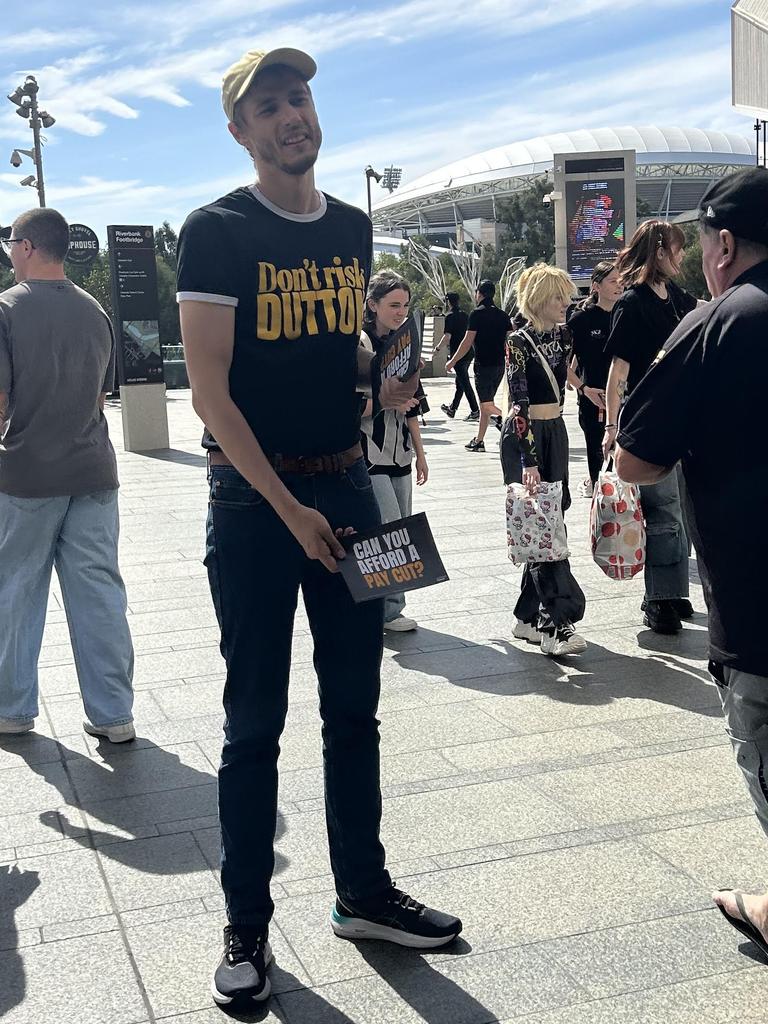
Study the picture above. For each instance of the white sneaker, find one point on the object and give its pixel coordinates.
(526, 631)
(400, 624)
(565, 640)
(16, 726)
(113, 733)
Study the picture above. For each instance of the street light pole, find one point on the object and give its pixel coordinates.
(24, 99)
(370, 173)
(34, 124)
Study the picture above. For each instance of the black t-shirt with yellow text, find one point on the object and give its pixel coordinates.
(298, 283)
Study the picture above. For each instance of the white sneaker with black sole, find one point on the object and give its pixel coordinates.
(398, 918)
(526, 631)
(565, 640)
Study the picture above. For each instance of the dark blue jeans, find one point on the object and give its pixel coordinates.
(255, 568)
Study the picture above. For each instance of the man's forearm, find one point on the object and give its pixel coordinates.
(464, 347)
(236, 439)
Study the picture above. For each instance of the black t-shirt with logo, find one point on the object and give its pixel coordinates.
(491, 325)
(641, 323)
(703, 401)
(456, 327)
(590, 328)
(298, 283)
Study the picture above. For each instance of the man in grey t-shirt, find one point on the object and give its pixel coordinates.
(58, 484)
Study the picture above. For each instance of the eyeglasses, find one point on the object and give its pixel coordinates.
(8, 242)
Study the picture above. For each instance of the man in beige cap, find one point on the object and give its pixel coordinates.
(272, 281)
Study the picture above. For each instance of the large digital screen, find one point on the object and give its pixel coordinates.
(595, 211)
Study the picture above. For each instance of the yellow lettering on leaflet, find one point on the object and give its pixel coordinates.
(267, 277)
(268, 317)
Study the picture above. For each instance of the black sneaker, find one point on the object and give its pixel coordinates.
(661, 617)
(241, 976)
(683, 607)
(497, 422)
(396, 918)
(472, 416)
(448, 410)
(475, 445)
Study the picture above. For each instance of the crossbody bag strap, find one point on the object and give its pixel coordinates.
(543, 360)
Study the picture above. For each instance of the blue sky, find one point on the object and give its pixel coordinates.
(140, 135)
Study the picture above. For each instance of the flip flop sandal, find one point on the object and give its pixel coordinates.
(745, 927)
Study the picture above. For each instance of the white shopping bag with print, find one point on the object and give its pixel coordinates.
(535, 527)
(616, 526)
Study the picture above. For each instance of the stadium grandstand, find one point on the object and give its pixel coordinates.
(674, 168)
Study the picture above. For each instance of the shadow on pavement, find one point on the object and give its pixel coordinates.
(16, 886)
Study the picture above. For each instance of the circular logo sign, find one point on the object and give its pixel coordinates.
(83, 245)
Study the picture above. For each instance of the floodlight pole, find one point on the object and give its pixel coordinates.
(34, 124)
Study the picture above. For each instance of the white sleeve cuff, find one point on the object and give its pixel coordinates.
(219, 300)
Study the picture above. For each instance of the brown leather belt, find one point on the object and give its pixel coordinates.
(545, 411)
(307, 464)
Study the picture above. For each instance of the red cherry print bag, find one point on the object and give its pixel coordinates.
(616, 526)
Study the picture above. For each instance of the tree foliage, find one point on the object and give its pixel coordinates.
(530, 226)
(691, 276)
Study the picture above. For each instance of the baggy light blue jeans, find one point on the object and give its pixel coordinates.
(393, 494)
(77, 535)
(666, 557)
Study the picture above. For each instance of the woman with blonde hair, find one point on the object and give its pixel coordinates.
(650, 308)
(534, 447)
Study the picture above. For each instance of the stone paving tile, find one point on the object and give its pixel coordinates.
(49, 890)
(46, 983)
(158, 870)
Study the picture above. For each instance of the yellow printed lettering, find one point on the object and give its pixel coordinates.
(268, 317)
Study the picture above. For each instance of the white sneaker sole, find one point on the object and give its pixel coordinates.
(116, 734)
(531, 636)
(222, 1000)
(561, 647)
(359, 928)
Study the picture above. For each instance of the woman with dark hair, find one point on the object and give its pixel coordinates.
(391, 439)
(643, 319)
(590, 327)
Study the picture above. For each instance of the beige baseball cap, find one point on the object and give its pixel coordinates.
(237, 79)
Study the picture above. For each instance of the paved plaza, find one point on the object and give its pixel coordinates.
(575, 814)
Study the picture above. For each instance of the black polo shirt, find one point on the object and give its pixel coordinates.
(703, 401)
(641, 323)
(491, 325)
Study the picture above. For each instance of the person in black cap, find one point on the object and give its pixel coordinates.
(272, 281)
(703, 403)
(487, 331)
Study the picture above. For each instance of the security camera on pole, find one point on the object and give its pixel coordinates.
(24, 98)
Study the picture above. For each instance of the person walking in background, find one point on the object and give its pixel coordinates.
(272, 280)
(486, 331)
(534, 447)
(455, 330)
(643, 318)
(58, 485)
(392, 439)
(590, 327)
(668, 418)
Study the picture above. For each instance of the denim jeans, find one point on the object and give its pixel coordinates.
(666, 558)
(464, 384)
(745, 703)
(256, 568)
(77, 535)
(393, 494)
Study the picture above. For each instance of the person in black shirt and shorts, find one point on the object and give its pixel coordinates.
(643, 319)
(455, 331)
(487, 331)
(272, 281)
(590, 326)
(714, 361)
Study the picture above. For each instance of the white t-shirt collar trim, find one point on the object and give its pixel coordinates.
(302, 218)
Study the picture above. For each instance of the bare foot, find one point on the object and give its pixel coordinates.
(756, 907)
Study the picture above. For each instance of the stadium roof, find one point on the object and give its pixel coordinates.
(654, 145)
